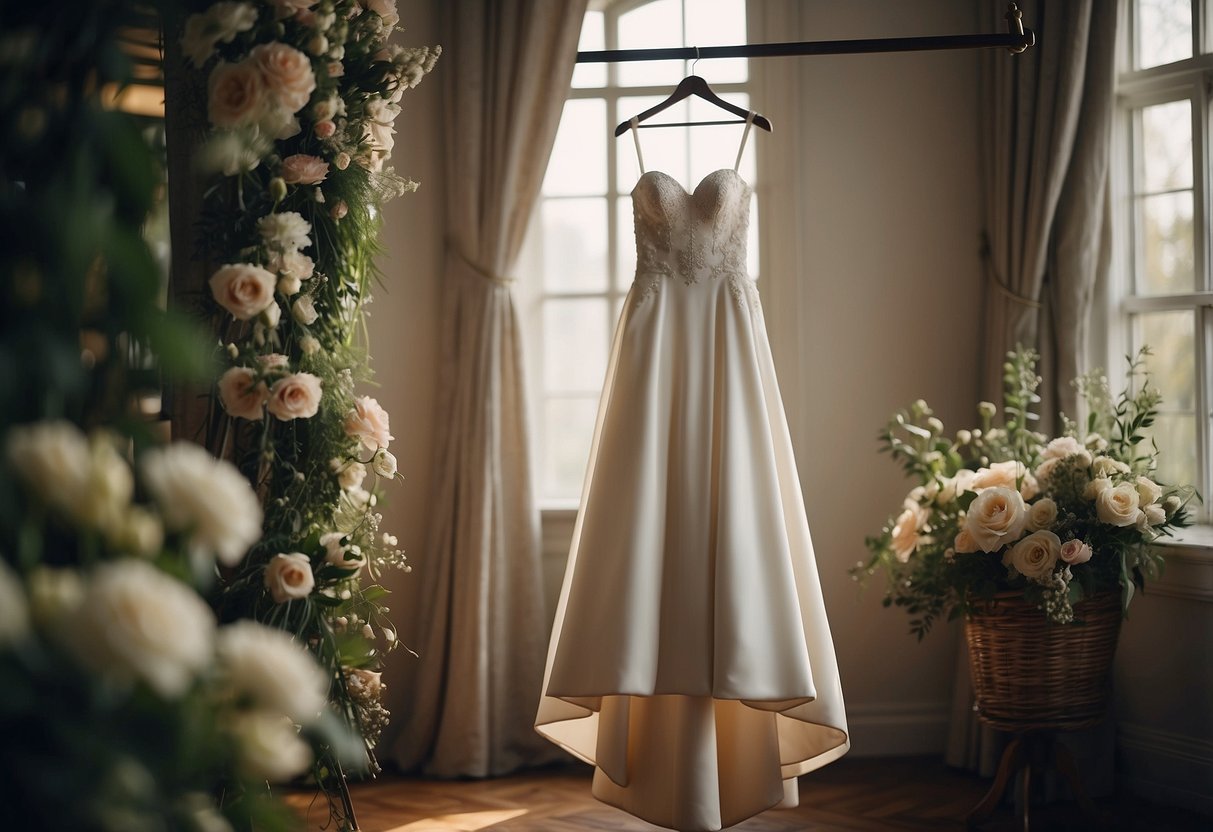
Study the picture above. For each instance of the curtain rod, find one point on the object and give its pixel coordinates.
(1016, 40)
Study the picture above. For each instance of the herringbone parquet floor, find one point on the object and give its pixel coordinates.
(852, 795)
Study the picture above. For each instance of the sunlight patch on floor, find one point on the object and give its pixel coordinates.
(463, 822)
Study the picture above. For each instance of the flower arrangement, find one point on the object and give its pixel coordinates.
(301, 97)
(1003, 508)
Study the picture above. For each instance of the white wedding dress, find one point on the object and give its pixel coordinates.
(691, 660)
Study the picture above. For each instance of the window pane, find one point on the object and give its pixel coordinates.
(575, 342)
(1164, 31)
(578, 162)
(569, 424)
(718, 23)
(1166, 146)
(653, 25)
(664, 148)
(1166, 240)
(592, 39)
(575, 245)
(1173, 371)
(625, 242)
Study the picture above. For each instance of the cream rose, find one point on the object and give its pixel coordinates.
(368, 422)
(341, 555)
(1075, 552)
(1155, 514)
(52, 458)
(139, 532)
(1118, 505)
(304, 310)
(242, 394)
(266, 667)
(288, 577)
(1008, 474)
(1035, 556)
(996, 518)
(287, 73)
(964, 543)
(309, 344)
(243, 289)
(1042, 514)
(302, 169)
(111, 485)
(1096, 487)
(1148, 491)
(296, 396)
(269, 746)
(235, 94)
(384, 464)
(137, 623)
(905, 533)
(1105, 466)
(349, 474)
(204, 497)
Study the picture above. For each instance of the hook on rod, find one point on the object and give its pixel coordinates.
(1015, 27)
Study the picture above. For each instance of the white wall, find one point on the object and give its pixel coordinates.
(880, 307)
(872, 299)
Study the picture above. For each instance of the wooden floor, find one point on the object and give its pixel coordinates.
(859, 795)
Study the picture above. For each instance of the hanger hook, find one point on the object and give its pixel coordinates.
(695, 60)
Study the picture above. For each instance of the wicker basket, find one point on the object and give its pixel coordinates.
(1031, 674)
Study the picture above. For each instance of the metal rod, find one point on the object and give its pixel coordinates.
(1014, 42)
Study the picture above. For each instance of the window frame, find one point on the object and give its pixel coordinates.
(1188, 79)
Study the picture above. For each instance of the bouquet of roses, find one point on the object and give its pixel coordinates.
(1003, 508)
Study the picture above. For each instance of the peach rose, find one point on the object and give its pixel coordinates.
(242, 395)
(1075, 552)
(1042, 513)
(1035, 556)
(235, 94)
(995, 518)
(243, 289)
(296, 396)
(368, 423)
(324, 129)
(1006, 475)
(302, 169)
(288, 577)
(964, 543)
(905, 531)
(286, 72)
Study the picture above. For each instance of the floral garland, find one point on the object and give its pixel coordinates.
(301, 99)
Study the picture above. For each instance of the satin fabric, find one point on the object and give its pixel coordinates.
(691, 660)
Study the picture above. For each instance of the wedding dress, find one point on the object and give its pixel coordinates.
(691, 661)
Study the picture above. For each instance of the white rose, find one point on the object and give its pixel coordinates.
(270, 747)
(266, 667)
(1042, 514)
(304, 310)
(1075, 552)
(140, 532)
(349, 474)
(1148, 491)
(205, 497)
(309, 345)
(905, 534)
(285, 230)
(1155, 514)
(995, 518)
(1105, 466)
(296, 396)
(14, 611)
(1118, 505)
(340, 555)
(110, 487)
(243, 289)
(287, 73)
(138, 623)
(288, 577)
(52, 458)
(1035, 556)
(385, 464)
(242, 394)
(231, 152)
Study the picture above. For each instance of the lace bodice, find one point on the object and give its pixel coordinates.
(694, 236)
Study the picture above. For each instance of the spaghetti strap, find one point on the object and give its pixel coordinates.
(636, 136)
(749, 122)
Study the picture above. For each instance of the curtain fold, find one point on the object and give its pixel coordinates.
(479, 624)
(1046, 142)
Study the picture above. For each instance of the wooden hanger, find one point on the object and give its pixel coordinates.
(694, 85)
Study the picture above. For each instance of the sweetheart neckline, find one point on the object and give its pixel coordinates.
(690, 194)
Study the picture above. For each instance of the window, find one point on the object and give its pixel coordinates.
(1164, 282)
(580, 255)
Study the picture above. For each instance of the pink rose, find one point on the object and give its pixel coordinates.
(289, 576)
(242, 395)
(286, 72)
(325, 129)
(235, 94)
(302, 169)
(295, 396)
(339, 210)
(243, 289)
(368, 423)
(273, 361)
(1075, 552)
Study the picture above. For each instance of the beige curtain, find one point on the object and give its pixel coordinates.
(480, 625)
(1046, 131)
